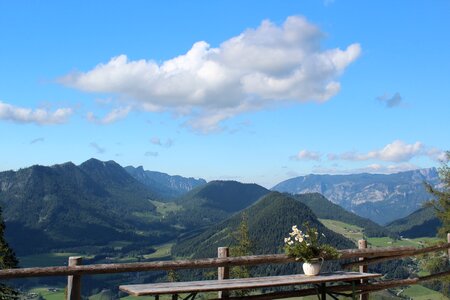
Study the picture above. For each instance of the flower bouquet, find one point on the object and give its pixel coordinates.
(306, 247)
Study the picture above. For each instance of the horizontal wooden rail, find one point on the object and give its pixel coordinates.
(405, 253)
(198, 263)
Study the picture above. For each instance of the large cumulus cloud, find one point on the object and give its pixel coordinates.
(258, 68)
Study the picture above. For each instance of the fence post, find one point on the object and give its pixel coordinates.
(223, 272)
(74, 281)
(448, 241)
(362, 244)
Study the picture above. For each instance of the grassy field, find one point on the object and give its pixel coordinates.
(418, 292)
(162, 251)
(351, 232)
(355, 233)
(164, 208)
(45, 293)
(386, 242)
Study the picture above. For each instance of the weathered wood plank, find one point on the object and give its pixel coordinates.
(362, 244)
(407, 253)
(223, 272)
(363, 288)
(74, 282)
(196, 264)
(241, 283)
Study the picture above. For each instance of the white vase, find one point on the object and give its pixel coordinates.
(312, 268)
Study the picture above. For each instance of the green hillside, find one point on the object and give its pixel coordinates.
(213, 202)
(325, 209)
(67, 205)
(269, 220)
(421, 223)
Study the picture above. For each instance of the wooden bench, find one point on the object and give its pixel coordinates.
(194, 287)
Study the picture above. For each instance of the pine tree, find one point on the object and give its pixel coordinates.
(242, 248)
(7, 261)
(442, 197)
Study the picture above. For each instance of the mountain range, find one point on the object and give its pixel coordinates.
(381, 198)
(97, 203)
(66, 205)
(165, 185)
(325, 209)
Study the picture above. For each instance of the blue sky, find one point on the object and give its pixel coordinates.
(256, 91)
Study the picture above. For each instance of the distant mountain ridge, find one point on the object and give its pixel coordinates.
(325, 209)
(167, 186)
(381, 198)
(65, 205)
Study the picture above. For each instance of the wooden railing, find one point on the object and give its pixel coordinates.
(362, 257)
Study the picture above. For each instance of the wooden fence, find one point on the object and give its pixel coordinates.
(362, 257)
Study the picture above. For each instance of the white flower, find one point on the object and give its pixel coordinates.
(287, 239)
(294, 228)
(308, 244)
(290, 242)
(306, 235)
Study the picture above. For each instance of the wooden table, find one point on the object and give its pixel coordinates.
(194, 287)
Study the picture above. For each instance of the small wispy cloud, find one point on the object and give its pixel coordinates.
(306, 155)
(40, 116)
(157, 141)
(151, 153)
(37, 140)
(397, 151)
(99, 149)
(372, 168)
(391, 101)
(113, 116)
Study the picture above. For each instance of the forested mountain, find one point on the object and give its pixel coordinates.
(63, 205)
(165, 185)
(215, 201)
(325, 209)
(269, 220)
(381, 198)
(422, 222)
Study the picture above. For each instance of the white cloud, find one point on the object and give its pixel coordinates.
(436, 154)
(307, 155)
(113, 116)
(39, 116)
(397, 151)
(258, 68)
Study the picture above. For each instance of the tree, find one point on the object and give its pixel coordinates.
(438, 262)
(243, 247)
(441, 202)
(7, 261)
